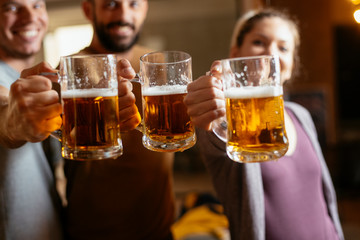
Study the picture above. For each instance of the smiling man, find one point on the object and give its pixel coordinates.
(117, 26)
(130, 197)
(22, 27)
(29, 111)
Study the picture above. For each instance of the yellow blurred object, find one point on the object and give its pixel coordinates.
(202, 220)
(355, 2)
(190, 200)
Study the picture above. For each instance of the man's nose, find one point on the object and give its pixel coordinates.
(124, 11)
(27, 14)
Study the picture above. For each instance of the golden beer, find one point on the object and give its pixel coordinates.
(166, 122)
(91, 123)
(255, 118)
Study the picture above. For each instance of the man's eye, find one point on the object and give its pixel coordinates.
(11, 8)
(134, 4)
(39, 5)
(111, 4)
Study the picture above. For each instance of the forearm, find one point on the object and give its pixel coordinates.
(6, 139)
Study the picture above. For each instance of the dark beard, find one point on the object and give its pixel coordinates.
(113, 44)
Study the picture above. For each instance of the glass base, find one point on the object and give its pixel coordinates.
(177, 146)
(252, 157)
(92, 153)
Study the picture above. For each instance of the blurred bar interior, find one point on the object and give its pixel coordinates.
(327, 85)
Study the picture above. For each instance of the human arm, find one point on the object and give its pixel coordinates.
(128, 112)
(30, 109)
(205, 99)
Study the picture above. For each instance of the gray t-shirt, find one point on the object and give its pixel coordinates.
(29, 204)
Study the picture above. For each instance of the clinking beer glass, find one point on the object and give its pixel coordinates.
(164, 76)
(89, 94)
(254, 109)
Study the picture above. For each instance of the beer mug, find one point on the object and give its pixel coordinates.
(254, 123)
(89, 94)
(164, 76)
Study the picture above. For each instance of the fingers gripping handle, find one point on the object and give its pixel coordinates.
(54, 86)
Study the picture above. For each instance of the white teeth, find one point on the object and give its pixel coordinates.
(123, 28)
(31, 33)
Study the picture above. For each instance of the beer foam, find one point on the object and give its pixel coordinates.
(164, 90)
(253, 92)
(88, 93)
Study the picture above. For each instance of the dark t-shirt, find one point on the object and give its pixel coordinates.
(127, 198)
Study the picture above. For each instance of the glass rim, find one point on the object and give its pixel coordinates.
(249, 58)
(101, 55)
(186, 59)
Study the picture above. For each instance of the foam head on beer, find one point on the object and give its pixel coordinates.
(89, 93)
(253, 92)
(164, 90)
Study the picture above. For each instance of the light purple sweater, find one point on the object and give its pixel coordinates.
(295, 207)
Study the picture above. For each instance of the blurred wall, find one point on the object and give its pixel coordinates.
(199, 27)
(318, 19)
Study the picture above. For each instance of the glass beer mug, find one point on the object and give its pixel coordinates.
(254, 128)
(89, 94)
(166, 126)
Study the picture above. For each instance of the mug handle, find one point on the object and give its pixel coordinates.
(219, 128)
(57, 134)
(137, 79)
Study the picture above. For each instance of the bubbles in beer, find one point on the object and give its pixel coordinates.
(91, 122)
(255, 122)
(165, 117)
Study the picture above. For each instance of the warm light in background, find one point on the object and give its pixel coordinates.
(65, 41)
(355, 2)
(357, 16)
(357, 12)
